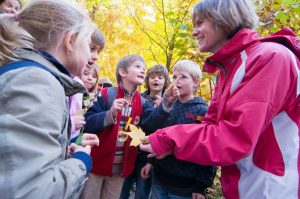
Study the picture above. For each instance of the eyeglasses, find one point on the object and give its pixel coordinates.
(104, 85)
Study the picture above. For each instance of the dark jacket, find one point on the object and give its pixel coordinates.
(180, 177)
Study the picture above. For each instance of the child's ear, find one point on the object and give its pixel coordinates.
(196, 84)
(122, 72)
(69, 41)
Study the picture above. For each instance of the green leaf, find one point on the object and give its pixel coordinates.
(169, 14)
(297, 10)
(174, 21)
(281, 16)
(289, 2)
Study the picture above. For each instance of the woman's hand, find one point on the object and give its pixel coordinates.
(146, 146)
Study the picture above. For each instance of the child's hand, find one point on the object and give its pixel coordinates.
(198, 196)
(171, 94)
(89, 140)
(73, 148)
(157, 100)
(145, 171)
(78, 121)
(118, 105)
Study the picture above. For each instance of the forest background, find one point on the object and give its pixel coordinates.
(161, 32)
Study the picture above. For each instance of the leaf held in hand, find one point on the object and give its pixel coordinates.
(136, 134)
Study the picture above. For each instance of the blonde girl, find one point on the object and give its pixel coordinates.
(33, 110)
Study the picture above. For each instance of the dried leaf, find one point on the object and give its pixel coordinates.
(136, 134)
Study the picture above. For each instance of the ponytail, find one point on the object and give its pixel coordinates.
(12, 36)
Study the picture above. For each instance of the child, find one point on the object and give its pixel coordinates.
(114, 158)
(90, 74)
(156, 82)
(10, 6)
(88, 78)
(172, 177)
(53, 37)
(96, 46)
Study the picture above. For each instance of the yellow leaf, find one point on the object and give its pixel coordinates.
(136, 134)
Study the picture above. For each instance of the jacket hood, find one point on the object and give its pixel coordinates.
(71, 86)
(195, 100)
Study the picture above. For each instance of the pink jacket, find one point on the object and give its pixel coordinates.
(252, 126)
(75, 105)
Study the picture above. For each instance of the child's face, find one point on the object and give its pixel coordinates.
(135, 73)
(78, 59)
(95, 50)
(156, 82)
(10, 6)
(89, 77)
(185, 83)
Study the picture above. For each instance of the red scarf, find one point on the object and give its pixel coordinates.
(103, 155)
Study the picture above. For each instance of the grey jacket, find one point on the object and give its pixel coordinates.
(33, 134)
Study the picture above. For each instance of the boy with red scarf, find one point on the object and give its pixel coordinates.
(114, 158)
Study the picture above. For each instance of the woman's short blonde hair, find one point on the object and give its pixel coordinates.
(229, 16)
(41, 25)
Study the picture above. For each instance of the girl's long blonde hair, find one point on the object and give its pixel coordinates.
(41, 25)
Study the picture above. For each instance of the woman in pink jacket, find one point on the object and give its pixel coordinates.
(252, 126)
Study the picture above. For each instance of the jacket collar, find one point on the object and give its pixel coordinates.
(125, 91)
(71, 86)
(241, 40)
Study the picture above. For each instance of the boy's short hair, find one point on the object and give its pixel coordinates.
(98, 39)
(125, 62)
(189, 66)
(158, 70)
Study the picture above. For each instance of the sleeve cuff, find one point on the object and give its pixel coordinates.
(159, 145)
(109, 119)
(85, 158)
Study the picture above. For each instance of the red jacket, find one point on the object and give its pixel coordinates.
(103, 155)
(252, 126)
